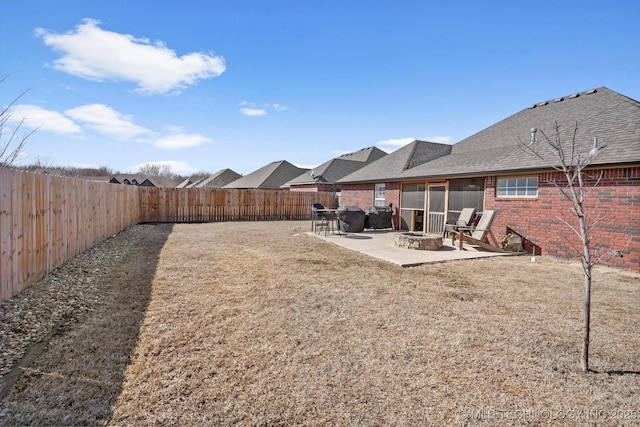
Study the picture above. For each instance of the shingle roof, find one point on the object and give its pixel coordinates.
(273, 176)
(395, 164)
(134, 179)
(331, 171)
(218, 179)
(611, 117)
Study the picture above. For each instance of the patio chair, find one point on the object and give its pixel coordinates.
(317, 213)
(327, 223)
(480, 234)
(467, 215)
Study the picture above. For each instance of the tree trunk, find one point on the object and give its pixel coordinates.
(586, 265)
(587, 320)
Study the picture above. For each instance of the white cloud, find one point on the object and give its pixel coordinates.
(95, 54)
(394, 144)
(439, 139)
(178, 139)
(301, 166)
(43, 119)
(253, 109)
(106, 120)
(254, 112)
(176, 166)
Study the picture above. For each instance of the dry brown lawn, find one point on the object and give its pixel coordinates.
(261, 324)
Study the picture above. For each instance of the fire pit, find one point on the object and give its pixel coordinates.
(418, 241)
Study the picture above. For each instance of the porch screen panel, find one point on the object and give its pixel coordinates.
(413, 196)
(465, 193)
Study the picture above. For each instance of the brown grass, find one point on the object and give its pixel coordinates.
(261, 324)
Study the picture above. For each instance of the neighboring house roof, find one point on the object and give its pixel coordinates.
(184, 184)
(133, 179)
(273, 176)
(611, 117)
(218, 179)
(395, 164)
(339, 167)
(194, 184)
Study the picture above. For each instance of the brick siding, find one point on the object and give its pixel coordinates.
(363, 196)
(614, 202)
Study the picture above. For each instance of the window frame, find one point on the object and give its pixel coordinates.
(379, 202)
(515, 188)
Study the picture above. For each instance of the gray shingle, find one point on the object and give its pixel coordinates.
(271, 176)
(393, 165)
(331, 171)
(611, 117)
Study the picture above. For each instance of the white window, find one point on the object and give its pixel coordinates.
(517, 187)
(380, 199)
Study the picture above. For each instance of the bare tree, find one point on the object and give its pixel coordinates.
(568, 158)
(12, 140)
(160, 171)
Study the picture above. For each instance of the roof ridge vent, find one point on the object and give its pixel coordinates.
(592, 91)
(559, 99)
(542, 104)
(575, 95)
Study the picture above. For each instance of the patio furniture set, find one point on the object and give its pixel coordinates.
(470, 228)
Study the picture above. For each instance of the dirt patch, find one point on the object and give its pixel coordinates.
(258, 323)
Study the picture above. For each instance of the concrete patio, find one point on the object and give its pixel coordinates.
(380, 244)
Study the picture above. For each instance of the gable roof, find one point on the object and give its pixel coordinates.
(134, 179)
(331, 171)
(184, 184)
(273, 176)
(611, 117)
(393, 165)
(218, 179)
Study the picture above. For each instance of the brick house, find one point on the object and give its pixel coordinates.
(429, 184)
(325, 176)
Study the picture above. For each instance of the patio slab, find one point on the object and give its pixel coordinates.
(380, 244)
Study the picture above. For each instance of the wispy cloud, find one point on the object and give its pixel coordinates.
(394, 144)
(178, 139)
(92, 53)
(108, 121)
(390, 145)
(439, 139)
(253, 109)
(36, 117)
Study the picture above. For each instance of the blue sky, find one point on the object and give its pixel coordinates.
(204, 85)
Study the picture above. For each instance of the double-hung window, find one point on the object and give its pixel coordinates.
(517, 187)
(380, 200)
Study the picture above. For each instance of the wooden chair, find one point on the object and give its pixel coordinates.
(467, 215)
(480, 235)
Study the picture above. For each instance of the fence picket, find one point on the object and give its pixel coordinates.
(46, 220)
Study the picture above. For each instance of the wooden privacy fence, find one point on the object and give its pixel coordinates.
(46, 220)
(216, 204)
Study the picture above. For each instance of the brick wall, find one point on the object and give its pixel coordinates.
(363, 196)
(614, 203)
(615, 200)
